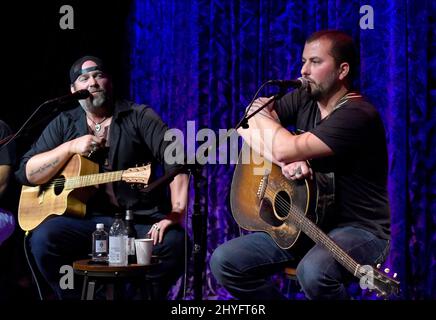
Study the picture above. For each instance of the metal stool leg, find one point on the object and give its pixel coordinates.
(85, 283)
(91, 289)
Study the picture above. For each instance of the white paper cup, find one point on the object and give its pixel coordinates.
(143, 247)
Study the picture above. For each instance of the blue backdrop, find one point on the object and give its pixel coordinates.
(202, 60)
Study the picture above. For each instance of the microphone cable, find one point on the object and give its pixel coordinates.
(79, 94)
(250, 105)
(12, 137)
(30, 266)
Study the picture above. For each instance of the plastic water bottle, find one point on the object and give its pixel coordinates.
(118, 242)
(99, 244)
(131, 236)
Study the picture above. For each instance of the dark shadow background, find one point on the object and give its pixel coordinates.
(37, 53)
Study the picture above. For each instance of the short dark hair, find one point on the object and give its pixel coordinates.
(343, 49)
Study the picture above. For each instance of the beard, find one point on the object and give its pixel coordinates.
(324, 90)
(95, 102)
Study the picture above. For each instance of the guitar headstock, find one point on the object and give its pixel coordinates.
(139, 175)
(379, 281)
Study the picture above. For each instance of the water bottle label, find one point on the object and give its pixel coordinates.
(117, 250)
(100, 246)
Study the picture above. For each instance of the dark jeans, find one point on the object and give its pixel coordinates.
(243, 265)
(61, 240)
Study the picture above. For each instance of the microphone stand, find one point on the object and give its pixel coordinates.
(199, 231)
(6, 141)
(200, 212)
(199, 220)
(199, 216)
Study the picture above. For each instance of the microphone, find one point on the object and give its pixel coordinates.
(299, 83)
(78, 95)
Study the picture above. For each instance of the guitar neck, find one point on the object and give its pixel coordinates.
(93, 179)
(319, 237)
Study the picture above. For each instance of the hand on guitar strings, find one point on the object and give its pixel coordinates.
(87, 145)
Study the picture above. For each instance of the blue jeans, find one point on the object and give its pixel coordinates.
(61, 240)
(244, 265)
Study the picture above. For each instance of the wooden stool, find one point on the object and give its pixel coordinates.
(293, 288)
(112, 274)
(291, 273)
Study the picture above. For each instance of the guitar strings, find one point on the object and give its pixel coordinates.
(349, 262)
(58, 182)
(283, 205)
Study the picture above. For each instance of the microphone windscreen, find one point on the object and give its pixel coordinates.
(82, 94)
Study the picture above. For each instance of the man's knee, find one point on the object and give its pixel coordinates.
(217, 261)
(310, 275)
(175, 244)
(40, 242)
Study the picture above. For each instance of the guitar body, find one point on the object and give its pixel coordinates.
(40, 202)
(260, 198)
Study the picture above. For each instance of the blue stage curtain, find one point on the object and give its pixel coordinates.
(202, 60)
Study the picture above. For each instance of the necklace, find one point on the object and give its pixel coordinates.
(97, 125)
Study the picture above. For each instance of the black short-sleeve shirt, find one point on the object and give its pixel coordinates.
(7, 154)
(355, 133)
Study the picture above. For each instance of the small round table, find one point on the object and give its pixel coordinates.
(116, 275)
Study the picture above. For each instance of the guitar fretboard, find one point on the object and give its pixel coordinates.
(312, 231)
(93, 179)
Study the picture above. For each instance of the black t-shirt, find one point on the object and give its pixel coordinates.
(355, 133)
(7, 157)
(7, 154)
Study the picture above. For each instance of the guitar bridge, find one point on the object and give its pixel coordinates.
(262, 186)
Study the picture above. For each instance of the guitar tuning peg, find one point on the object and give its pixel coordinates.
(378, 266)
(395, 275)
(132, 186)
(387, 270)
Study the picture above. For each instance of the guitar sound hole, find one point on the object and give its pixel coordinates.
(267, 214)
(282, 204)
(59, 185)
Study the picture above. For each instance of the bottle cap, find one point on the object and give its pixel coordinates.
(100, 225)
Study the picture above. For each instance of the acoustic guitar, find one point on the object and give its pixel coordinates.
(69, 191)
(263, 199)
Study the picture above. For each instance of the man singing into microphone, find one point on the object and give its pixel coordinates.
(341, 141)
(116, 134)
